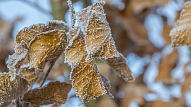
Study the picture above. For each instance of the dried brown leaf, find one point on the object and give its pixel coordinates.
(185, 85)
(106, 102)
(160, 103)
(29, 74)
(139, 5)
(87, 81)
(120, 66)
(166, 32)
(107, 85)
(134, 93)
(46, 47)
(54, 92)
(14, 61)
(85, 77)
(11, 90)
(167, 64)
(75, 50)
(181, 33)
(26, 35)
(99, 41)
(83, 16)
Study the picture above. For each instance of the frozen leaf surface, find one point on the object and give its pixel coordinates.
(26, 35)
(107, 85)
(14, 61)
(181, 35)
(85, 76)
(46, 47)
(54, 92)
(11, 90)
(120, 66)
(75, 50)
(29, 74)
(98, 38)
(99, 41)
(87, 81)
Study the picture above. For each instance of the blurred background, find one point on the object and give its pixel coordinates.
(140, 29)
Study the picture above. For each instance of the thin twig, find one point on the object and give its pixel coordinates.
(72, 13)
(47, 73)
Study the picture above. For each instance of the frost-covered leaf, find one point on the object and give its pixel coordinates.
(75, 50)
(54, 92)
(14, 61)
(29, 74)
(119, 65)
(181, 35)
(107, 85)
(87, 81)
(46, 47)
(83, 16)
(99, 41)
(85, 77)
(11, 90)
(26, 35)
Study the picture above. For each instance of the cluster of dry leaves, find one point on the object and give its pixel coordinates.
(88, 47)
(39, 44)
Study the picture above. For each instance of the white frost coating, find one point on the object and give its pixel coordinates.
(72, 13)
(58, 24)
(14, 61)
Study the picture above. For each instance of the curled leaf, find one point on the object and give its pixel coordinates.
(14, 61)
(11, 90)
(26, 35)
(54, 92)
(46, 47)
(119, 65)
(180, 35)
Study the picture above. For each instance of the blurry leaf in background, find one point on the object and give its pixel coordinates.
(134, 93)
(106, 102)
(166, 65)
(53, 92)
(139, 5)
(166, 32)
(160, 103)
